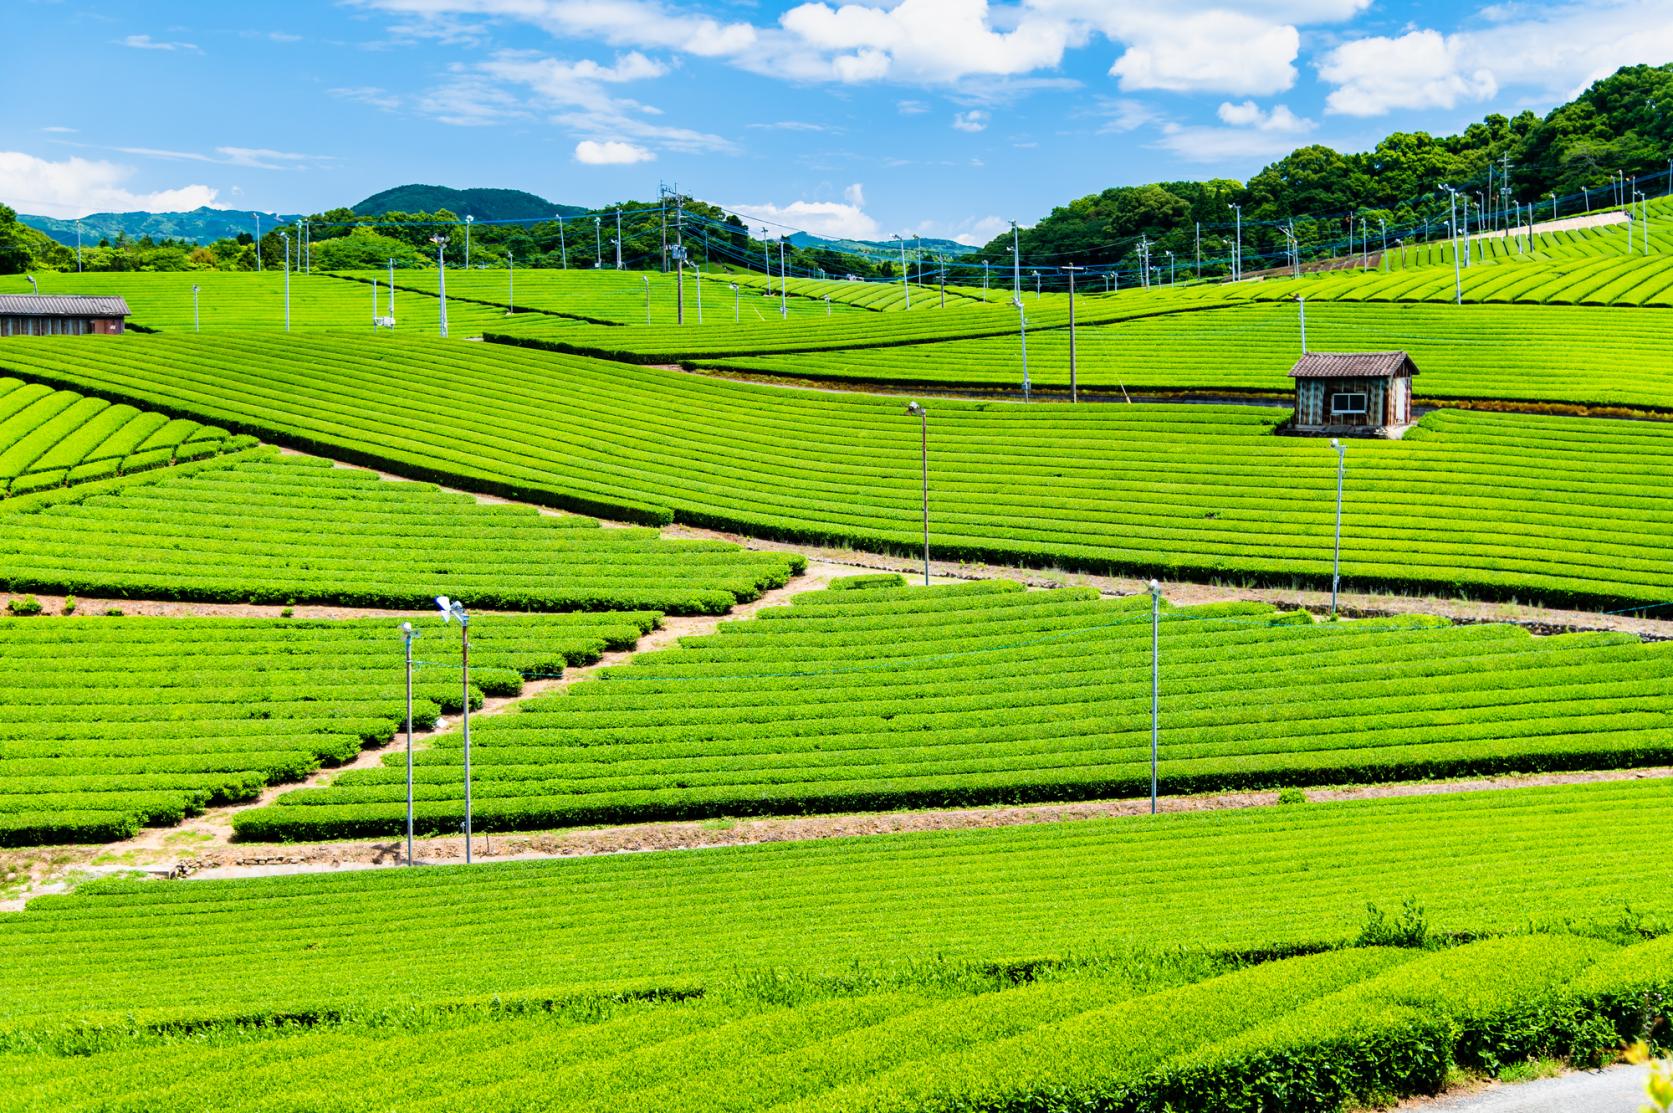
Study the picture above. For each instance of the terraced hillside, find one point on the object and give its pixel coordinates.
(259, 528)
(1556, 509)
(890, 697)
(108, 724)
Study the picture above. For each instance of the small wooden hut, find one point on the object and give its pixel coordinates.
(61, 315)
(1366, 394)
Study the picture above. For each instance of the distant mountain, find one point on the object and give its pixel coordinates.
(200, 225)
(874, 248)
(483, 204)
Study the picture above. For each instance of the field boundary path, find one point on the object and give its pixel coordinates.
(1614, 1089)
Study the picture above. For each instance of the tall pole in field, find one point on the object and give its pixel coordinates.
(258, 243)
(392, 290)
(510, 282)
(923, 442)
(197, 325)
(1336, 562)
(1301, 307)
(1155, 684)
(618, 237)
(767, 258)
(598, 244)
(1452, 227)
(1074, 392)
(784, 284)
(737, 304)
(1237, 261)
(441, 279)
(469, 220)
(563, 245)
(453, 609)
(286, 237)
(407, 635)
(905, 286)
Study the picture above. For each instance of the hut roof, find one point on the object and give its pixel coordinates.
(61, 305)
(1353, 365)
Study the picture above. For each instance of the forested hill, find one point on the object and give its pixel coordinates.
(483, 204)
(1622, 123)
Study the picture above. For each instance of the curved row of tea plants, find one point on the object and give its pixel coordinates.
(259, 528)
(116, 957)
(984, 694)
(1559, 509)
(109, 724)
(52, 438)
(1323, 1029)
(1520, 353)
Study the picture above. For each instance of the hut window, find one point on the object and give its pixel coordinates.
(1350, 403)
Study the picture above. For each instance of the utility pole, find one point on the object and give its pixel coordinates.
(618, 237)
(662, 212)
(905, 286)
(1452, 227)
(1237, 262)
(1074, 391)
(783, 285)
(563, 245)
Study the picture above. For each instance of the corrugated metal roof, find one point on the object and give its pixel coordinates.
(61, 305)
(1353, 365)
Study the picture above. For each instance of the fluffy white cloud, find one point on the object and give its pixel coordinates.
(973, 232)
(1250, 115)
(931, 41)
(610, 152)
(78, 186)
(1555, 51)
(835, 220)
(1420, 69)
(1212, 51)
(972, 121)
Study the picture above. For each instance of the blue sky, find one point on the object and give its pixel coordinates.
(866, 117)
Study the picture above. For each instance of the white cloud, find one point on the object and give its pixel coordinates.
(929, 41)
(59, 130)
(1249, 115)
(911, 107)
(78, 186)
(972, 121)
(973, 232)
(1122, 114)
(855, 195)
(1556, 51)
(639, 23)
(1219, 51)
(146, 42)
(832, 219)
(610, 152)
(1420, 69)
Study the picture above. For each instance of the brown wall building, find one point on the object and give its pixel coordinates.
(61, 315)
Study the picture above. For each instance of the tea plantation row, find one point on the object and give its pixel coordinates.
(1563, 510)
(116, 959)
(50, 438)
(1525, 354)
(256, 527)
(982, 694)
(1304, 1032)
(110, 724)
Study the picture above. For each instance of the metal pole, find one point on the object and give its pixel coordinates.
(598, 244)
(1301, 304)
(736, 304)
(618, 238)
(286, 237)
(1155, 684)
(906, 287)
(783, 284)
(197, 325)
(1336, 563)
(1074, 392)
(1452, 226)
(469, 220)
(441, 279)
(408, 634)
(563, 245)
(923, 441)
(465, 668)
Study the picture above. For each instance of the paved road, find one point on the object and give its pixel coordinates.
(1617, 1089)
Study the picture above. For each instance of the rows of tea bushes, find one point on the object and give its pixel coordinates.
(1567, 510)
(259, 528)
(235, 301)
(118, 956)
(607, 297)
(1519, 353)
(1612, 280)
(108, 724)
(52, 438)
(985, 694)
(1355, 1024)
